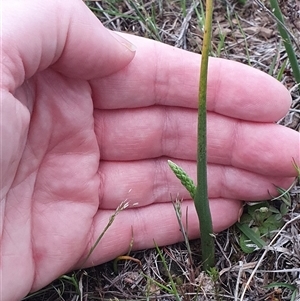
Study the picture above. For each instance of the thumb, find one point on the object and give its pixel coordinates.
(65, 35)
(93, 51)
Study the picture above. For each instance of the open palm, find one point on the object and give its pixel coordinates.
(87, 123)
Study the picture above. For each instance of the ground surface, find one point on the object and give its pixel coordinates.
(241, 33)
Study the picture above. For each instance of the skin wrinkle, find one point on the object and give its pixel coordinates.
(138, 222)
(26, 93)
(235, 136)
(164, 131)
(27, 66)
(102, 180)
(98, 127)
(160, 168)
(143, 230)
(221, 183)
(175, 139)
(16, 70)
(32, 173)
(225, 178)
(156, 77)
(35, 257)
(17, 140)
(90, 242)
(33, 252)
(155, 180)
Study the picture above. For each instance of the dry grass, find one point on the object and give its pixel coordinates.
(241, 33)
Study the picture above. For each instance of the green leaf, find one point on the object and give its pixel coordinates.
(245, 244)
(252, 235)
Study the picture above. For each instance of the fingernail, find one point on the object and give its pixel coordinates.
(123, 41)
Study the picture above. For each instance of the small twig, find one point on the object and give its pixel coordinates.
(236, 292)
(223, 253)
(177, 207)
(185, 25)
(295, 270)
(106, 15)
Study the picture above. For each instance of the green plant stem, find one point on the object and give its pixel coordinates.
(286, 40)
(201, 197)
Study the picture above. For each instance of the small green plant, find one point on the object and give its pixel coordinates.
(200, 16)
(260, 221)
(201, 197)
(173, 289)
(123, 205)
(73, 281)
(147, 19)
(199, 193)
(291, 287)
(245, 39)
(286, 40)
(221, 44)
(257, 223)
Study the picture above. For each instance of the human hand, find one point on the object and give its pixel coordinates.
(87, 123)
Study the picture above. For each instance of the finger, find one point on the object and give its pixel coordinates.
(153, 224)
(152, 181)
(162, 131)
(73, 42)
(161, 74)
